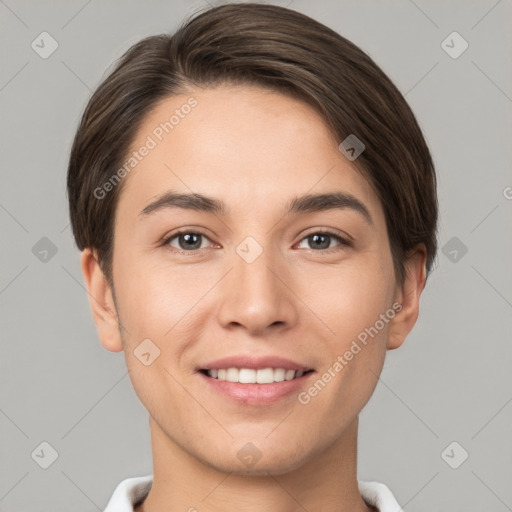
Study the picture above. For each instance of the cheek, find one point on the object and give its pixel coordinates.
(140, 302)
(354, 355)
(351, 299)
(157, 300)
(356, 307)
(153, 304)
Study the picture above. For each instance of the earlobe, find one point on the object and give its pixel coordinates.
(101, 301)
(408, 296)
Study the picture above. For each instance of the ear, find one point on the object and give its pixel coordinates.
(102, 302)
(408, 295)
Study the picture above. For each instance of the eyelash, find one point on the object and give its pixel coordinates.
(343, 243)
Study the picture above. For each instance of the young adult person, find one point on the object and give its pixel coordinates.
(256, 208)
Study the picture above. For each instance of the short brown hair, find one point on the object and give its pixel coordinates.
(273, 47)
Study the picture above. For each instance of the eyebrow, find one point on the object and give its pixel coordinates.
(309, 203)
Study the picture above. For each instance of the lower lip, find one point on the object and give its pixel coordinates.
(256, 394)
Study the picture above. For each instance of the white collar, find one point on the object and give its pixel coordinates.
(131, 491)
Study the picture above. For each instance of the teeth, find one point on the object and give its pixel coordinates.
(251, 376)
(246, 376)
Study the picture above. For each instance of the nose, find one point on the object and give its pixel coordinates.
(257, 293)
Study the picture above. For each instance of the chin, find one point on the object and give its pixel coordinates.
(248, 460)
(261, 468)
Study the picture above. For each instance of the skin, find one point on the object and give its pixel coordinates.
(254, 149)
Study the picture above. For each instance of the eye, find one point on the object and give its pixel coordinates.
(188, 241)
(322, 239)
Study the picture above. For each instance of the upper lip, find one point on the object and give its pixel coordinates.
(256, 363)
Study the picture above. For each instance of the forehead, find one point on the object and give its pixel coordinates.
(239, 143)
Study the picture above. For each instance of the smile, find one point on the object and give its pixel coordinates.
(254, 376)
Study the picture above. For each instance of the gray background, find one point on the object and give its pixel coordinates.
(449, 382)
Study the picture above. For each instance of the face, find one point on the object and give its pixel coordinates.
(254, 281)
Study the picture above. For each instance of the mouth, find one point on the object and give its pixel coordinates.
(254, 380)
(254, 376)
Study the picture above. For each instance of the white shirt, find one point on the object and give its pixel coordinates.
(131, 491)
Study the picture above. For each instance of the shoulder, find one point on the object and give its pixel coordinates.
(380, 496)
(129, 493)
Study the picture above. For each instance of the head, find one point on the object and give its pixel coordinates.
(234, 134)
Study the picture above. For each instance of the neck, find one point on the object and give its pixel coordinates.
(326, 481)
